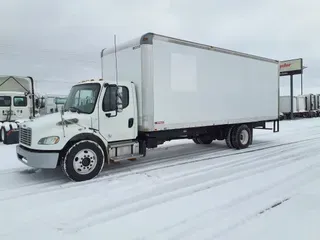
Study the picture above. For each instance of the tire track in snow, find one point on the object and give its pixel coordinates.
(30, 178)
(78, 203)
(56, 176)
(141, 170)
(241, 220)
(229, 152)
(126, 167)
(194, 159)
(287, 186)
(47, 187)
(173, 191)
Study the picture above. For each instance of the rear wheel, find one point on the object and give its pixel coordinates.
(241, 137)
(229, 137)
(205, 139)
(195, 140)
(83, 161)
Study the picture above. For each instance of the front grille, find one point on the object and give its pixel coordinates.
(25, 136)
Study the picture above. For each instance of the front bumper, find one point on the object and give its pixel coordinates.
(37, 159)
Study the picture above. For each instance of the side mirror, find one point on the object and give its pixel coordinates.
(37, 103)
(119, 100)
(40, 102)
(62, 110)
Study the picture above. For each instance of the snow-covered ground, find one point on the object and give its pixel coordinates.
(179, 191)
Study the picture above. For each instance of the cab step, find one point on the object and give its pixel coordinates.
(128, 150)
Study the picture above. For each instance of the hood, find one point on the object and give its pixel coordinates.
(52, 119)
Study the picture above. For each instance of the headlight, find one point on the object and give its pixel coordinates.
(49, 140)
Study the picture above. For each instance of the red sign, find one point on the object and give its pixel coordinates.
(285, 65)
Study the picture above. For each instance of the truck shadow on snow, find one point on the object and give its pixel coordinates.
(168, 154)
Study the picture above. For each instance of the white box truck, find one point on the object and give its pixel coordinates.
(317, 96)
(52, 103)
(302, 106)
(311, 104)
(285, 105)
(165, 89)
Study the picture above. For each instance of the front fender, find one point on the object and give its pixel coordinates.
(93, 136)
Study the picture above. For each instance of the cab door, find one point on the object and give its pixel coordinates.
(114, 125)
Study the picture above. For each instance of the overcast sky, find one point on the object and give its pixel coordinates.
(59, 42)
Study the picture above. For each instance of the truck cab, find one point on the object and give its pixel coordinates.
(17, 103)
(14, 105)
(97, 124)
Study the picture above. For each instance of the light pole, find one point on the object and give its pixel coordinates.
(304, 67)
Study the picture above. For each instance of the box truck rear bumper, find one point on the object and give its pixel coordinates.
(37, 159)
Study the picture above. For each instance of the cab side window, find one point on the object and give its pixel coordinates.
(20, 101)
(110, 98)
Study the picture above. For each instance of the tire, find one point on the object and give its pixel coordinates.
(241, 137)
(229, 137)
(205, 140)
(195, 140)
(3, 134)
(80, 157)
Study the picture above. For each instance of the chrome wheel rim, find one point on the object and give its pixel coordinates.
(85, 161)
(244, 137)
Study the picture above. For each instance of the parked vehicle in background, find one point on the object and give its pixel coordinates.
(311, 104)
(17, 103)
(302, 110)
(285, 106)
(52, 103)
(317, 100)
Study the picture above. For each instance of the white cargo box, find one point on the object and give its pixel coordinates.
(15, 84)
(317, 101)
(311, 101)
(182, 84)
(301, 104)
(285, 104)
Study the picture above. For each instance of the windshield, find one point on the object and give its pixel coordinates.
(82, 98)
(60, 100)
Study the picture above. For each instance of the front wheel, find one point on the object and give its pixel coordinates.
(83, 161)
(241, 137)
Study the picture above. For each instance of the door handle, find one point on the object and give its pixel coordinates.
(130, 122)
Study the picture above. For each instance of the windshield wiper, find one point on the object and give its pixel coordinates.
(75, 109)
